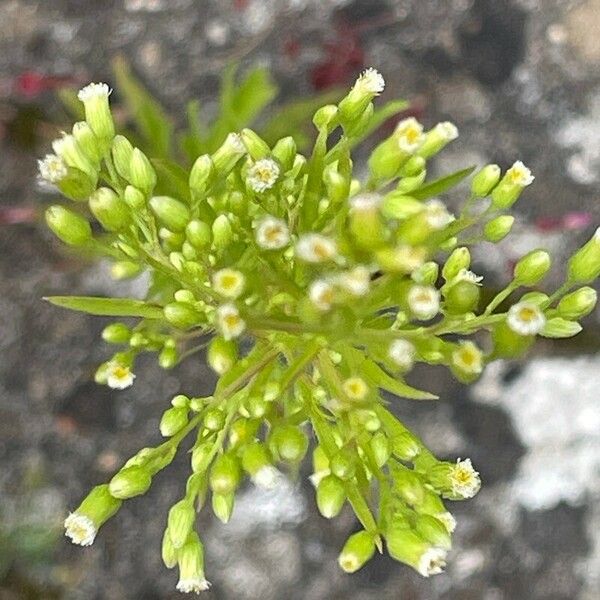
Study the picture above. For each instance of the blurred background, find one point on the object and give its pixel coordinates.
(521, 79)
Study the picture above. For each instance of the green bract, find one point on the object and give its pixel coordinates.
(318, 293)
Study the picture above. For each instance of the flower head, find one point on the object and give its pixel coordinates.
(315, 248)
(119, 376)
(519, 175)
(355, 388)
(356, 281)
(437, 215)
(229, 321)
(468, 358)
(229, 283)
(272, 233)
(464, 479)
(371, 81)
(52, 168)
(80, 529)
(432, 562)
(402, 352)
(526, 318)
(193, 586)
(263, 174)
(447, 130)
(410, 135)
(322, 294)
(424, 301)
(94, 90)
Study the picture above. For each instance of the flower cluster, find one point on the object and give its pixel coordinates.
(313, 293)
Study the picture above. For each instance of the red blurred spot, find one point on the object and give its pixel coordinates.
(577, 220)
(241, 4)
(65, 426)
(547, 224)
(31, 83)
(15, 215)
(291, 47)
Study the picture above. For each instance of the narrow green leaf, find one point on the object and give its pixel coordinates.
(381, 379)
(108, 307)
(172, 179)
(441, 185)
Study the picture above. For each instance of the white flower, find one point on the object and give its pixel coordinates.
(402, 352)
(356, 281)
(464, 479)
(525, 318)
(424, 301)
(466, 275)
(94, 90)
(432, 562)
(437, 215)
(321, 294)
(193, 586)
(355, 388)
(272, 233)
(118, 376)
(262, 175)
(229, 283)
(519, 175)
(235, 143)
(468, 358)
(447, 519)
(371, 81)
(80, 529)
(365, 202)
(229, 321)
(447, 130)
(409, 133)
(315, 248)
(52, 168)
(267, 477)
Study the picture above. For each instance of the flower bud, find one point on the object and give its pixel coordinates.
(380, 446)
(584, 265)
(342, 464)
(406, 446)
(432, 530)
(201, 456)
(410, 548)
(77, 185)
(201, 174)
(426, 274)
(227, 155)
(82, 525)
(242, 432)
(485, 181)
(438, 138)
(116, 333)
(337, 185)
(134, 198)
(225, 474)
(198, 234)
(181, 315)
(365, 222)
(221, 355)
(289, 443)
(326, 118)
(458, 260)
(174, 214)
(409, 485)
(532, 268)
(168, 551)
(506, 193)
(141, 173)
(508, 343)
(110, 211)
(87, 141)
(357, 551)
(168, 357)
(497, 229)
(130, 482)
(285, 152)
(222, 232)
(331, 496)
(191, 566)
(173, 420)
(368, 85)
(256, 461)
(257, 148)
(578, 304)
(97, 111)
(222, 505)
(124, 269)
(122, 153)
(69, 227)
(462, 297)
(180, 522)
(456, 481)
(214, 419)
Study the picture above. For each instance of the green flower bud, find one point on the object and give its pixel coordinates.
(191, 566)
(532, 268)
(242, 431)
(509, 344)
(225, 474)
(97, 111)
(331, 496)
(168, 357)
(409, 486)
(82, 525)
(130, 482)
(285, 152)
(408, 547)
(357, 551)
(506, 193)
(433, 531)
(180, 522)
(406, 446)
(73, 156)
(201, 174)
(257, 407)
(485, 181)
(560, 328)
(198, 234)
(462, 297)
(69, 227)
(141, 173)
(173, 420)
(228, 154)
(214, 419)
(125, 269)
(122, 153)
(458, 260)
(222, 232)
(369, 85)
(497, 229)
(343, 465)
(359, 127)
(116, 333)
(87, 141)
(426, 274)
(168, 551)
(584, 265)
(337, 185)
(110, 211)
(326, 118)
(222, 505)
(406, 185)
(134, 198)
(380, 446)
(256, 461)
(289, 443)
(414, 166)
(438, 138)
(201, 457)
(257, 148)
(578, 304)
(396, 205)
(221, 354)
(77, 185)
(174, 214)
(365, 222)
(181, 315)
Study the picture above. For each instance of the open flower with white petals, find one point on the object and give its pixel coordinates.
(119, 376)
(356, 281)
(52, 168)
(468, 358)
(263, 175)
(193, 586)
(272, 233)
(526, 318)
(437, 215)
(315, 248)
(432, 562)
(365, 202)
(519, 175)
(229, 321)
(424, 301)
(409, 133)
(402, 353)
(322, 294)
(464, 479)
(446, 130)
(355, 388)
(229, 283)
(370, 81)
(80, 529)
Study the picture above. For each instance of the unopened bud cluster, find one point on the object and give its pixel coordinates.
(313, 293)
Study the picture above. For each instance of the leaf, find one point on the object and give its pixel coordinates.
(108, 307)
(560, 328)
(381, 379)
(360, 507)
(193, 141)
(441, 185)
(172, 179)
